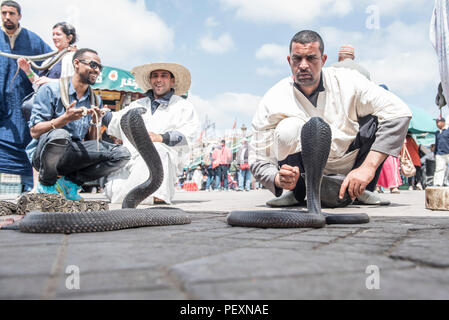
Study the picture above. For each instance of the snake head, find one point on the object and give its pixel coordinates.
(141, 111)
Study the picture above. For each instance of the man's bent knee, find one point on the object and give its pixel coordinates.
(288, 137)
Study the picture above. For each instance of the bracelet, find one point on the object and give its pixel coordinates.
(52, 125)
(30, 75)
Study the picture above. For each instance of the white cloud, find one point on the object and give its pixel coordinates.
(124, 32)
(398, 55)
(211, 22)
(295, 13)
(276, 53)
(224, 108)
(221, 45)
(302, 12)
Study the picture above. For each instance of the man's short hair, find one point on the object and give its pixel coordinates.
(80, 53)
(10, 3)
(307, 36)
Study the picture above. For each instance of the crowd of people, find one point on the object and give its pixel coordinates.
(60, 138)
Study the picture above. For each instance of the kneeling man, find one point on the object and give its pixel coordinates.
(368, 124)
(171, 122)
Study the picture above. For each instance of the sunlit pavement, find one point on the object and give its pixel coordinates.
(401, 254)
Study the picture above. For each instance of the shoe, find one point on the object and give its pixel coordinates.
(158, 201)
(419, 187)
(287, 200)
(41, 189)
(69, 189)
(395, 191)
(368, 198)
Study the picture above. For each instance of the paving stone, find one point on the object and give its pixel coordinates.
(252, 263)
(10, 239)
(33, 260)
(151, 279)
(22, 287)
(165, 294)
(394, 284)
(425, 246)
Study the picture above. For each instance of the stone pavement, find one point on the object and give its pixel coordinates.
(402, 254)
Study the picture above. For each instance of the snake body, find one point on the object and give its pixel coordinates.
(316, 138)
(129, 217)
(57, 54)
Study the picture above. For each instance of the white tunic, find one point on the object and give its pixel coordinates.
(348, 96)
(179, 115)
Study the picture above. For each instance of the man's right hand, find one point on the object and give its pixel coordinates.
(287, 178)
(73, 114)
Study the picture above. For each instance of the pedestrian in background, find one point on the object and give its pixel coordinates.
(245, 176)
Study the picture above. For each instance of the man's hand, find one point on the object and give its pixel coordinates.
(287, 178)
(96, 113)
(73, 114)
(356, 182)
(358, 179)
(156, 138)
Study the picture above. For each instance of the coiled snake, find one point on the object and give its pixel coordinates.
(316, 140)
(98, 221)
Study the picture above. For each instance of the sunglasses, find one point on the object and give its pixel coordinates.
(94, 65)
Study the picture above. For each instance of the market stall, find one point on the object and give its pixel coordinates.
(117, 88)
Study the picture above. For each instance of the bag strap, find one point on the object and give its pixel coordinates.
(406, 154)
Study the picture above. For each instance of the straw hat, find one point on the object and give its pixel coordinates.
(183, 79)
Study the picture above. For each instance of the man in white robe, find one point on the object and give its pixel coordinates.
(171, 122)
(368, 123)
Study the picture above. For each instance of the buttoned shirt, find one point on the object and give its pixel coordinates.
(48, 106)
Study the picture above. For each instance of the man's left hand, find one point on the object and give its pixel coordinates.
(356, 182)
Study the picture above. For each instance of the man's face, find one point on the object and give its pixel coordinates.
(441, 124)
(88, 67)
(306, 62)
(10, 18)
(161, 82)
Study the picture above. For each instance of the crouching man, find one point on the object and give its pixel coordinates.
(368, 124)
(63, 125)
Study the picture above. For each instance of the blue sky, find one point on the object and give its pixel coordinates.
(236, 49)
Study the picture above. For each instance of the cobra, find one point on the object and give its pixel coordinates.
(316, 138)
(129, 217)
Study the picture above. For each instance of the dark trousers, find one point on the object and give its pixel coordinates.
(80, 162)
(364, 141)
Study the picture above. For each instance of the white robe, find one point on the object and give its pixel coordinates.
(179, 115)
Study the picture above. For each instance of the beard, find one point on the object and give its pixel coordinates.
(9, 25)
(87, 79)
(307, 81)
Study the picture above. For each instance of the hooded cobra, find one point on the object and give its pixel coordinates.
(316, 138)
(82, 222)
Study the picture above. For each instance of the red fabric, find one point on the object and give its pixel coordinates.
(389, 176)
(222, 156)
(413, 150)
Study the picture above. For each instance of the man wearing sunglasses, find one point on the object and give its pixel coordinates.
(65, 137)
